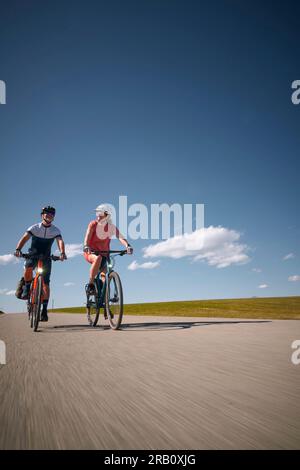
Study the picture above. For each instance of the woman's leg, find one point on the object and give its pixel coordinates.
(96, 263)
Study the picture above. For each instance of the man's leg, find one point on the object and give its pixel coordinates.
(46, 295)
(46, 291)
(28, 280)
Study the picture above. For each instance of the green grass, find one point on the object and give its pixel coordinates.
(283, 308)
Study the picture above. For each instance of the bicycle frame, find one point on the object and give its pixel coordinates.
(101, 298)
(38, 273)
(110, 263)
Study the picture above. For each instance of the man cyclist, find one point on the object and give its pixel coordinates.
(97, 238)
(42, 237)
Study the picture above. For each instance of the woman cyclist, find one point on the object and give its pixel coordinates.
(97, 238)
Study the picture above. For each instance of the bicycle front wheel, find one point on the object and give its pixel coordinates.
(37, 304)
(30, 312)
(114, 300)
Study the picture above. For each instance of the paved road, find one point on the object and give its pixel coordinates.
(159, 383)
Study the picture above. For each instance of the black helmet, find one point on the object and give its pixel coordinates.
(48, 210)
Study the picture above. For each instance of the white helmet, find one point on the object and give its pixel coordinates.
(103, 208)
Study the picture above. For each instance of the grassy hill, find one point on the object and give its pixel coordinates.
(265, 307)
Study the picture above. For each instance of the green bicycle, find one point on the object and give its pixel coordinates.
(107, 295)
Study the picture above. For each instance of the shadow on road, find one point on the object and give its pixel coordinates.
(73, 328)
(181, 325)
(147, 326)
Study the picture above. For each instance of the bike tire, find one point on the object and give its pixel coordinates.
(30, 315)
(94, 313)
(113, 308)
(30, 302)
(37, 304)
(92, 308)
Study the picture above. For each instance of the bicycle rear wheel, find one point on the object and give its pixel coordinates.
(92, 307)
(37, 296)
(114, 300)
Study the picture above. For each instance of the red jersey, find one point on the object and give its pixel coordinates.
(100, 235)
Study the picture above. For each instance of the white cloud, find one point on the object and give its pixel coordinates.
(218, 246)
(256, 270)
(289, 256)
(149, 265)
(8, 259)
(294, 278)
(74, 249)
(69, 284)
(263, 286)
(10, 292)
(2, 291)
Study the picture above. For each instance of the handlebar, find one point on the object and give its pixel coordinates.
(39, 257)
(119, 252)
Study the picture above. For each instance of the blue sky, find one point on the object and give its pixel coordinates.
(162, 101)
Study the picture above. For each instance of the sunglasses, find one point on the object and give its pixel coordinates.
(49, 214)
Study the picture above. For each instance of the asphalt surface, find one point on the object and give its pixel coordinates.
(159, 383)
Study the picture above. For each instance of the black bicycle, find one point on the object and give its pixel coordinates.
(107, 295)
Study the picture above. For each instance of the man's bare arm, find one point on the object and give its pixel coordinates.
(61, 246)
(22, 242)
